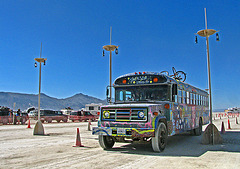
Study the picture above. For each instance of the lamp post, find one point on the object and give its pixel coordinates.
(38, 129)
(213, 134)
(110, 48)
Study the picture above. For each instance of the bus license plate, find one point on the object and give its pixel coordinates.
(121, 131)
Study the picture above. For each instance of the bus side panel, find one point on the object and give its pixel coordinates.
(200, 111)
(185, 117)
(194, 117)
(205, 116)
(180, 119)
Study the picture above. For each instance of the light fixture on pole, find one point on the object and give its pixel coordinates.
(38, 129)
(110, 48)
(213, 134)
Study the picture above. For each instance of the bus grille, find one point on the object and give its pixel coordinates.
(131, 114)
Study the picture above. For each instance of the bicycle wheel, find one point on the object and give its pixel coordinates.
(180, 75)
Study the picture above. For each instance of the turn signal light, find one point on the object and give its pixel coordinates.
(155, 79)
(124, 81)
(167, 106)
(155, 113)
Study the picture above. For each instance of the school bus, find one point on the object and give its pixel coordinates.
(151, 106)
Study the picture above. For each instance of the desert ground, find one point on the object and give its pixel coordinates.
(19, 148)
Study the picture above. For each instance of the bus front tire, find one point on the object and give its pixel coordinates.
(106, 142)
(159, 142)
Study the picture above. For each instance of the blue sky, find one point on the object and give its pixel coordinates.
(152, 36)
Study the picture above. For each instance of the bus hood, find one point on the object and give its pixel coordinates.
(132, 105)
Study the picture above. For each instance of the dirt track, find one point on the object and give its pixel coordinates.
(20, 149)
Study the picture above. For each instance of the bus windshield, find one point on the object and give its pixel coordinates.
(143, 93)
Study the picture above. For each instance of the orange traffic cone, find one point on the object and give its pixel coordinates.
(78, 140)
(229, 127)
(89, 125)
(28, 124)
(223, 129)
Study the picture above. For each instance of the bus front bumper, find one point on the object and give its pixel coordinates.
(123, 132)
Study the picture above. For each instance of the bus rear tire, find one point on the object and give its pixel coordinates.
(106, 142)
(159, 142)
(198, 131)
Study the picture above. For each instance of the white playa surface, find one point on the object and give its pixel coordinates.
(20, 149)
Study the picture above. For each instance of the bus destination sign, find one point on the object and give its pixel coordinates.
(140, 80)
(143, 79)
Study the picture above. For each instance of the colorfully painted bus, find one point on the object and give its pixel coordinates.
(151, 106)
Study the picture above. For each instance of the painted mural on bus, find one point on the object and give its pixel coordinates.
(151, 106)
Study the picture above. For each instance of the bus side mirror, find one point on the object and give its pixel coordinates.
(107, 94)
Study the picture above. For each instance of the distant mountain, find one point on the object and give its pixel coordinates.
(24, 101)
(219, 110)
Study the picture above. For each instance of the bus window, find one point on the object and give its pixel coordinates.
(188, 98)
(128, 95)
(119, 95)
(143, 93)
(184, 96)
(194, 99)
(174, 93)
(197, 99)
(175, 98)
(191, 98)
(179, 96)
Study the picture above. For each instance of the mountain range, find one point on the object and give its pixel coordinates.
(23, 101)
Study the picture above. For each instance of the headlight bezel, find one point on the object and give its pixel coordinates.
(106, 114)
(141, 114)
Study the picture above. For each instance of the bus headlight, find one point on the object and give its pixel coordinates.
(141, 114)
(106, 114)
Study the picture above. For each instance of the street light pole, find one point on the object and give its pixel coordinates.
(39, 91)
(211, 134)
(209, 80)
(206, 33)
(38, 129)
(110, 48)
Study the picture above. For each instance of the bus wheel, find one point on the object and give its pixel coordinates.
(106, 142)
(198, 131)
(159, 142)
